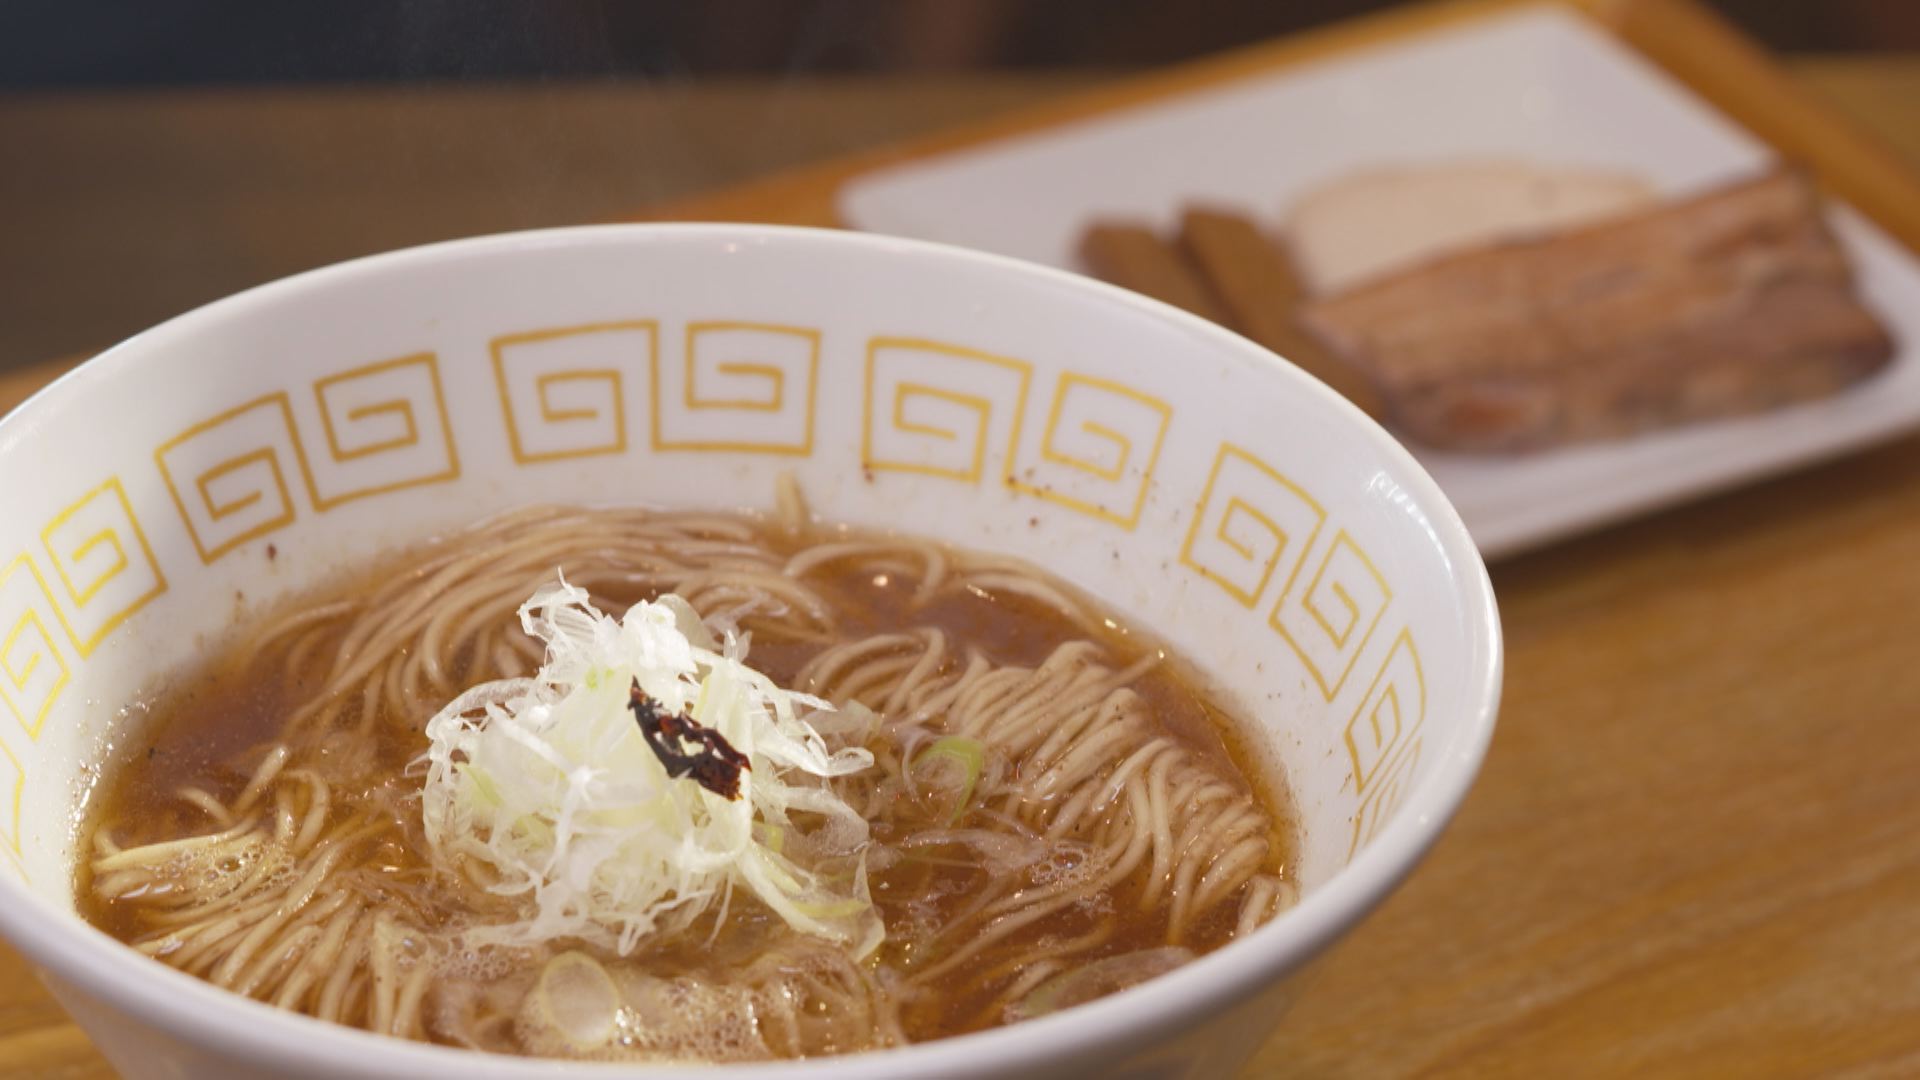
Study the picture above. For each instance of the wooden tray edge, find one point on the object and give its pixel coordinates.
(1739, 77)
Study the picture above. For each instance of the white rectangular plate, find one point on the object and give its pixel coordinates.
(1537, 85)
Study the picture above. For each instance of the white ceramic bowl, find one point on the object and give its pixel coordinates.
(1203, 487)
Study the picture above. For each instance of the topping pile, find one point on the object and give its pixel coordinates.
(639, 778)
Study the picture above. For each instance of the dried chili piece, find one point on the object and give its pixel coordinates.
(714, 764)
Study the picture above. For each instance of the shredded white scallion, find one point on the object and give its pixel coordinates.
(545, 787)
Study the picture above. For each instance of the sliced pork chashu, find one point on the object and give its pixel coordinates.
(1730, 302)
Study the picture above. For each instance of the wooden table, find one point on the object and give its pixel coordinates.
(1695, 846)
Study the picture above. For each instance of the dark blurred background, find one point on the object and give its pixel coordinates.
(158, 154)
(94, 43)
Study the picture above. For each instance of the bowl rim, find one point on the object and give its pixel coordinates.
(62, 944)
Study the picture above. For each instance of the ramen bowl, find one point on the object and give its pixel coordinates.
(1200, 486)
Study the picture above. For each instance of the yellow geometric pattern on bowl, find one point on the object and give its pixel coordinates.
(1390, 714)
(104, 563)
(745, 387)
(13, 788)
(226, 474)
(1093, 428)
(1250, 521)
(1375, 810)
(929, 408)
(32, 671)
(1384, 736)
(386, 429)
(563, 389)
(945, 408)
(1329, 622)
